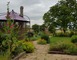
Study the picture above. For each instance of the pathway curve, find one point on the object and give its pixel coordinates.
(41, 54)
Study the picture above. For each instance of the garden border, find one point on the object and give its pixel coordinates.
(56, 52)
(18, 56)
(62, 53)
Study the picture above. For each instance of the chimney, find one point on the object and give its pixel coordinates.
(21, 11)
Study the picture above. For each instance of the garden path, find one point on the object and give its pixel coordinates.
(41, 54)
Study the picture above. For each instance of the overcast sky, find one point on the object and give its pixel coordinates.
(35, 9)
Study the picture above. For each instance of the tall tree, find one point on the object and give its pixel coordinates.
(42, 27)
(61, 14)
(36, 28)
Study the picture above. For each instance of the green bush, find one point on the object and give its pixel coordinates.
(17, 50)
(22, 46)
(58, 46)
(74, 39)
(45, 37)
(72, 50)
(33, 38)
(30, 34)
(61, 34)
(3, 43)
(28, 47)
(75, 32)
(64, 47)
(71, 33)
(42, 41)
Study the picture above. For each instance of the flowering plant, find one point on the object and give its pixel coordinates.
(8, 39)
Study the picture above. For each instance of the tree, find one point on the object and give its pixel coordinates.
(61, 14)
(42, 27)
(51, 29)
(36, 28)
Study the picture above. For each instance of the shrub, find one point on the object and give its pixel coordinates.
(74, 39)
(22, 46)
(59, 46)
(45, 37)
(61, 34)
(72, 50)
(17, 50)
(71, 34)
(28, 47)
(64, 47)
(75, 32)
(34, 38)
(27, 38)
(58, 34)
(42, 41)
(30, 34)
(3, 44)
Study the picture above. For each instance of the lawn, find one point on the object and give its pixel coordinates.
(56, 39)
(63, 45)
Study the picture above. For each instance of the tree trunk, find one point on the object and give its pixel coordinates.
(64, 30)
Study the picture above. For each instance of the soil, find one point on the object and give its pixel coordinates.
(41, 53)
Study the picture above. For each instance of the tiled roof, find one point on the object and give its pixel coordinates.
(14, 16)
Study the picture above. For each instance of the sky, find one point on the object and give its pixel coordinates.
(34, 9)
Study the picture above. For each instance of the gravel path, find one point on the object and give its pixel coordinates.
(41, 54)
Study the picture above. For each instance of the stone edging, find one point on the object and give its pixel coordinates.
(55, 52)
(18, 56)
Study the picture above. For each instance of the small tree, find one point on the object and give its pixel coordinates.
(11, 37)
(51, 29)
(36, 28)
(42, 27)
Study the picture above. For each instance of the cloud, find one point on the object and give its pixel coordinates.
(39, 22)
(35, 9)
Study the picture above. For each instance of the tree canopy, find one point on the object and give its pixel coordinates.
(35, 27)
(62, 14)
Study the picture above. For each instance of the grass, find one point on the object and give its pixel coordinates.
(63, 44)
(56, 39)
